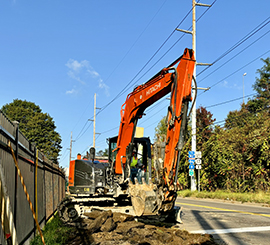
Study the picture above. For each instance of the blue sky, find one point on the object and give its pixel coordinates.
(58, 54)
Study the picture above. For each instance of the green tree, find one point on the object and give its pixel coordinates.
(262, 87)
(38, 127)
(161, 129)
(204, 122)
(103, 153)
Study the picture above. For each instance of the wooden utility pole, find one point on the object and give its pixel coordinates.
(94, 124)
(70, 149)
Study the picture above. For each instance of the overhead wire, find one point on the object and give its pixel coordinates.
(221, 80)
(237, 44)
(229, 101)
(237, 54)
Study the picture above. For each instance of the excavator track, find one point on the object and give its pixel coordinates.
(67, 211)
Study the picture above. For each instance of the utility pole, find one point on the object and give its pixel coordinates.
(70, 149)
(94, 122)
(193, 116)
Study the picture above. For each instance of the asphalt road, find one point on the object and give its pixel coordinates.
(229, 222)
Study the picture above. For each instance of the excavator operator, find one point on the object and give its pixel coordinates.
(133, 165)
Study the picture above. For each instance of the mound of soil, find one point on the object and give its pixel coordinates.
(107, 228)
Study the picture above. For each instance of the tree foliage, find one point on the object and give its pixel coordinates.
(262, 88)
(237, 157)
(161, 129)
(204, 125)
(103, 153)
(37, 126)
(204, 122)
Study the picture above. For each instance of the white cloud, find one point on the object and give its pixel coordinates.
(80, 72)
(74, 76)
(102, 85)
(75, 65)
(72, 91)
(93, 73)
(226, 84)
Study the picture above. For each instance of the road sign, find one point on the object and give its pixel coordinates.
(191, 161)
(198, 161)
(198, 154)
(191, 172)
(198, 166)
(191, 166)
(191, 154)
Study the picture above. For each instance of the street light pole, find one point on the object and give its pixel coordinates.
(243, 88)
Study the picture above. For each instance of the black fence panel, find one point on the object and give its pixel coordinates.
(44, 182)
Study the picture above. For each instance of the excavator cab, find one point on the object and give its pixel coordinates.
(142, 150)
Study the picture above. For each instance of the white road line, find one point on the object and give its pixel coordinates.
(232, 230)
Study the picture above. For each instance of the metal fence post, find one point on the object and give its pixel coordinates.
(16, 127)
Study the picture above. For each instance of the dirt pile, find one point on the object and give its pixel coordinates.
(107, 228)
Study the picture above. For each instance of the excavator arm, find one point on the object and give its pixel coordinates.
(177, 81)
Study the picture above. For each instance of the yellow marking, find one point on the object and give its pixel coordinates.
(223, 209)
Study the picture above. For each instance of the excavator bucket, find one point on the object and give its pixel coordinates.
(144, 198)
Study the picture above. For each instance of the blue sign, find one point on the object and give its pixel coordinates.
(191, 161)
(191, 154)
(191, 166)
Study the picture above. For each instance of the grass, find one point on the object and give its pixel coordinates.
(54, 233)
(258, 197)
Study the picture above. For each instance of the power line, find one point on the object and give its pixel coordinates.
(109, 130)
(171, 46)
(239, 53)
(258, 57)
(229, 101)
(241, 41)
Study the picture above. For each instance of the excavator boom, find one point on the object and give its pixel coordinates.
(175, 80)
(148, 198)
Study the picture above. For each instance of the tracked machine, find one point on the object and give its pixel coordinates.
(109, 185)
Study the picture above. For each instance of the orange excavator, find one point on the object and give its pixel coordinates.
(92, 182)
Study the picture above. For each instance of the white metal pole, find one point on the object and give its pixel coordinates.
(193, 117)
